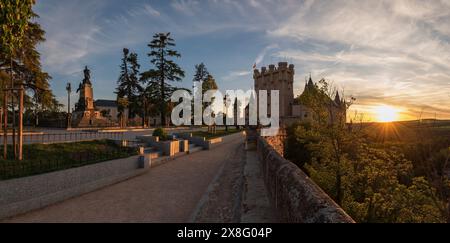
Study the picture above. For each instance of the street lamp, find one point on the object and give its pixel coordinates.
(69, 91)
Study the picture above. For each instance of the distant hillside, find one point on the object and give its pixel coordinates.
(408, 131)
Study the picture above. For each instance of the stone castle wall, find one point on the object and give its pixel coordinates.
(295, 196)
(277, 78)
(277, 143)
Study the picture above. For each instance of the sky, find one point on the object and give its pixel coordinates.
(383, 53)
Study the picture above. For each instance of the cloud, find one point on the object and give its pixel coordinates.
(151, 11)
(236, 74)
(187, 7)
(71, 35)
(397, 50)
(264, 52)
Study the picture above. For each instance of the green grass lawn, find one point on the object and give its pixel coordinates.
(219, 133)
(41, 158)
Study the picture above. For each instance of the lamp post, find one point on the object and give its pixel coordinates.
(69, 91)
(144, 111)
(5, 124)
(21, 96)
(225, 111)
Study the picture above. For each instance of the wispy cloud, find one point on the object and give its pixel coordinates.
(396, 52)
(187, 7)
(71, 35)
(264, 52)
(151, 11)
(237, 74)
(386, 48)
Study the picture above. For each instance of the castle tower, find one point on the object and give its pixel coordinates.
(277, 78)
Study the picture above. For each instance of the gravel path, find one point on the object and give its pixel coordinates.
(222, 202)
(171, 192)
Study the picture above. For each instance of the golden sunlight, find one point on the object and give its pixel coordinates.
(385, 113)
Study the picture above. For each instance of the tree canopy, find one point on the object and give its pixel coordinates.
(165, 70)
(128, 83)
(19, 44)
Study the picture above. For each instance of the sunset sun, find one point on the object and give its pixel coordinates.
(385, 113)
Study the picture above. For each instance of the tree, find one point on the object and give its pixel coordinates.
(329, 118)
(209, 84)
(165, 69)
(122, 104)
(14, 19)
(201, 73)
(300, 137)
(372, 183)
(27, 65)
(128, 82)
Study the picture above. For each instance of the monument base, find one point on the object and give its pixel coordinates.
(89, 119)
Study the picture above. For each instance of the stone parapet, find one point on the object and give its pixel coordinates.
(295, 196)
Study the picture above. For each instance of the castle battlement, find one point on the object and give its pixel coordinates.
(279, 78)
(282, 66)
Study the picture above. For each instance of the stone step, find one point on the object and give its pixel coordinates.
(155, 155)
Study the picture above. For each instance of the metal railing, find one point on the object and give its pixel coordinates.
(33, 166)
(48, 138)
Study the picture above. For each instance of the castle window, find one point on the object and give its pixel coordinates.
(306, 115)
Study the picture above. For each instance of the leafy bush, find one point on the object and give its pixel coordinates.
(377, 184)
(161, 133)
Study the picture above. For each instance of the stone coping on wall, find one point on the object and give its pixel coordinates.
(207, 143)
(25, 194)
(296, 198)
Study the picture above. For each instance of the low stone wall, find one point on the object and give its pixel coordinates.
(294, 195)
(169, 148)
(200, 141)
(148, 139)
(277, 143)
(212, 143)
(29, 193)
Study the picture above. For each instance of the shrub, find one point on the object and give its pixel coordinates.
(161, 133)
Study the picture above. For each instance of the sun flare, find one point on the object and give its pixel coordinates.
(385, 113)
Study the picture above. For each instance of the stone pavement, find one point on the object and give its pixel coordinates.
(171, 192)
(256, 207)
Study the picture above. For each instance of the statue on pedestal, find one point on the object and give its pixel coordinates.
(85, 114)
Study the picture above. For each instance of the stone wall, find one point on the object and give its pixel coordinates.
(294, 195)
(279, 78)
(21, 195)
(200, 141)
(277, 143)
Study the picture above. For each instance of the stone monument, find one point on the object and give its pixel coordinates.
(85, 114)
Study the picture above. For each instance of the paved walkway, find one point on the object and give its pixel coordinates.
(168, 193)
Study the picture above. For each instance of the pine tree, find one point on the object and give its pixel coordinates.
(128, 82)
(209, 84)
(201, 73)
(158, 87)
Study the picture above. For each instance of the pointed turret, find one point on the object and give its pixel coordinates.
(337, 99)
(310, 82)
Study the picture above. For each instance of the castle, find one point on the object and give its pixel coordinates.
(292, 109)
